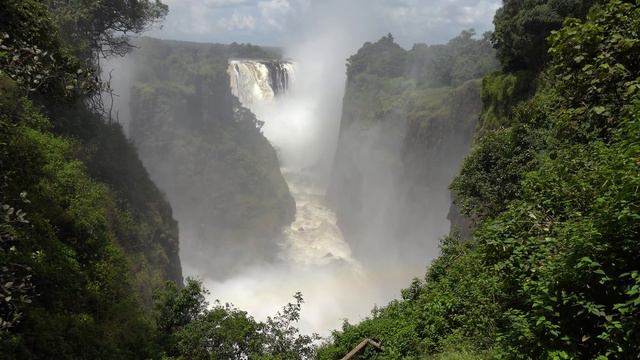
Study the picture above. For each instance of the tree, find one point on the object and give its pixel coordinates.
(384, 58)
(64, 272)
(176, 307)
(32, 55)
(190, 330)
(522, 28)
(283, 338)
(15, 278)
(102, 27)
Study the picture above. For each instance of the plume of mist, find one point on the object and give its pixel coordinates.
(306, 132)
(304, 126)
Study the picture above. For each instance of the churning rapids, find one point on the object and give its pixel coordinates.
(314, 237)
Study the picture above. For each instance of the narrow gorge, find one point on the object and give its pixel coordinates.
(266, 87)
(240, 140)
(313, 252)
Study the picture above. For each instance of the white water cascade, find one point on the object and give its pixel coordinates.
(262, 86)
(315, 258)
(254, 81)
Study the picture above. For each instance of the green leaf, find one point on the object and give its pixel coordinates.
(599, 110)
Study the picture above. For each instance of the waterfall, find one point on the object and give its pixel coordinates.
(315, 258)
(314, 237)
(257, 81)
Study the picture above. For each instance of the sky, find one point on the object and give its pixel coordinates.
(277, 22)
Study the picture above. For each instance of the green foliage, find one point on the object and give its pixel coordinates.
(501, 93)
(15, 280)
(460, 355)
(101, 28)
(15, 285)
(74, 249)
(222, 333)
(84, 294)
(522, 27)
(32, 55)
(565, 252)
(596, 69)
(143, 221)
(453, 310)
(463, 58)
(490, 176)
(557, 208)
(44, 69)
(176, 307)
(190, 329)
(383, 58)
(552, 184)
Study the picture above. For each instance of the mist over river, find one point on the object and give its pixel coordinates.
(314, 258)
(221, 175)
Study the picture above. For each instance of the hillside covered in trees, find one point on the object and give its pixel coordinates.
(85, 235)
(89, 263)
(208, 154)
(551, 186)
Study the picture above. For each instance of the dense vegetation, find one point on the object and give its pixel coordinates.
(207, 153)
(191, 329)
(462, 58)
(552, 187)
(87, 241)
(522, 27)
(85, 235)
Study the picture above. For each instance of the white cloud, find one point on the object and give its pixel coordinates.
(275, 12)
(237, 22)
(273, 22)
(226, 3)
(436, 21)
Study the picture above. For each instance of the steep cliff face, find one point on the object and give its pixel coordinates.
(207, 153)
(437, 141)
(151, 237)
(143, 220)
(405, 129)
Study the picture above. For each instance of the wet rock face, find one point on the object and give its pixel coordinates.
(393, 168)
(279, 76)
